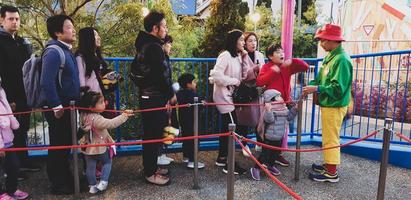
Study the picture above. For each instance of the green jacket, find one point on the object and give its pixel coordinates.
(334, 87)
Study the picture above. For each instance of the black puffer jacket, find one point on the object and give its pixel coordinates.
(13, 53)
(150, 70)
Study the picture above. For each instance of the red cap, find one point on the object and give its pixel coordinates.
(330, 32)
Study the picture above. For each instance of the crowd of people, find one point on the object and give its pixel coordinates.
(83, 75)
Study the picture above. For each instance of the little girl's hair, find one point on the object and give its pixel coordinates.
(89, 100)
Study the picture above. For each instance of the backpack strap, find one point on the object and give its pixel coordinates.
(62, 58)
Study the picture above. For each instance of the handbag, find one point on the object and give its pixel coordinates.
(245, 93)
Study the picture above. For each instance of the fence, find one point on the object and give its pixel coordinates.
(381, 89)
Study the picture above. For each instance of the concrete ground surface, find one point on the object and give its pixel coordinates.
(358, 180)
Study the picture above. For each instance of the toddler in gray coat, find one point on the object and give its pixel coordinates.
(276, 118)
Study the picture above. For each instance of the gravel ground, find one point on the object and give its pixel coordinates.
(358, 180)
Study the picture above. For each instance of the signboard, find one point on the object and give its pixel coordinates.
(184, 7)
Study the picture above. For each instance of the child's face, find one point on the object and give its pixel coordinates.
(192, 85)
(279, 101)
(100, 105)
(277, 57)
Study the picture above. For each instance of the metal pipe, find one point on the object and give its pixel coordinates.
(384, 158)
(196, 143)
(74, 150)
(230, 163)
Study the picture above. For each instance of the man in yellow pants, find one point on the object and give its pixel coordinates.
(333, 87)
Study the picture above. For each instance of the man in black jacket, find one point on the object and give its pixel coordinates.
(151, 73)
(14, 51)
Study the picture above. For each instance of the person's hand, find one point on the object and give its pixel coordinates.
(309, 89)
(173, 100)
(244, 52)
(13, 106)
(268, 106)
(59, 113)
(128, 113)
(287, 63)
(256, 69)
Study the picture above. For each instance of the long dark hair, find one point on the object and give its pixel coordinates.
(231, 42)
(89, 100)
(89, 51)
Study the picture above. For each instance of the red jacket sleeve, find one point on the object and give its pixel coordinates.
(266, 73)
(298, 65)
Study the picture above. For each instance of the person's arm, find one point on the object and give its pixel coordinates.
(5, 84)
(292, 113)
(297, 65)
(217, 75)
(266, 74)
(340, 81)
(50, 68)
(100, 122)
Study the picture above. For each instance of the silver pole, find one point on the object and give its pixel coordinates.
(384, 158)
(196, 143)
(299, 14)
(230, 163)
(298, 144)
(74, 150)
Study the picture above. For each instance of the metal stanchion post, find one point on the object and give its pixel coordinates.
(230, 163)
(384, 158)
(74, 150)
(298, 143)
(196, 143)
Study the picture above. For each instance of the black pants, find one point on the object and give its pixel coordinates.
(11, 167)
(223, 141)
(188, 145)
(153, 126)
(58, 165)
(269, 156)
(20, 136)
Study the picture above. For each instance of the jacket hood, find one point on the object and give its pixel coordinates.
(4, 32)
(144, 38)
(270, 94)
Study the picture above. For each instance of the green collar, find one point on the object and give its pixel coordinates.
(333, 53)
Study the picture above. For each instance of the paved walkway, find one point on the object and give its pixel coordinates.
(359, 179)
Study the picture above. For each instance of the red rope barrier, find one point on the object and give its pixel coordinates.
(403, 137)
(272, 177)
(116, 143)
(242, 104)
(310, 150)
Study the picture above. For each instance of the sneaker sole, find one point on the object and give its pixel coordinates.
(220, 164)
(168, 183)
(225, 171)
(325, 180)
(282, 164)
(251, 172)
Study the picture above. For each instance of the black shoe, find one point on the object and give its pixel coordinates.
(237, 169)
(30, 167)
(63, 190)
(21, 176)
(221, 162)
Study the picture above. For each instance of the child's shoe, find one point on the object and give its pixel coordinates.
(258, 148)
(255, 173)
(93, 189)
(18, 194)
(245, 154)
(185, 160)
(102, 185)
(318, 168)
(282, 161)
(191, 165)
(6, 196)
(273, 170)
(324, 176)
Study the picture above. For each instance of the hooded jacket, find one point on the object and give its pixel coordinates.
(13, 53)
(151, 57)
(8, 123)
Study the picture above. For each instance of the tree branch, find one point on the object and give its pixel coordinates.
(97, 9)
(78, 8)
(49, 8)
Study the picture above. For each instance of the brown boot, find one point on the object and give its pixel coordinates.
(158, 179)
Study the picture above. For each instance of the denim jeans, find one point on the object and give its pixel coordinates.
(91, 167)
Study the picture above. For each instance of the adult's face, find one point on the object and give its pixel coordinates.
(11, 22)
(161, 30)
(97, 39)
(328, 45)
(240, 43)
(69, 33)
(251, 43)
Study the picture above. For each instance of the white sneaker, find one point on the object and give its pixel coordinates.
(168, 158)
(185, 160)
(245, 154)
(258, 148)
(102, 185)
(161, 160)
(93, 189)
(191, 165)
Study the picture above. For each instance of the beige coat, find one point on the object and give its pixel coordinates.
(99, 134)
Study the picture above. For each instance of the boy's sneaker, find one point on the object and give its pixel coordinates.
(258, 148)
(237, 169)
(102, 185)
(318, 168)
(282, 161)
(185, 160)
(191, 165)
(273, 170)
(158, 179)
(245, 154)
(161, 160)
(255, 173)
(6, 196)
(167, 158)
(221, 162)
(93, 189)
(324, 176)
(18, 194)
